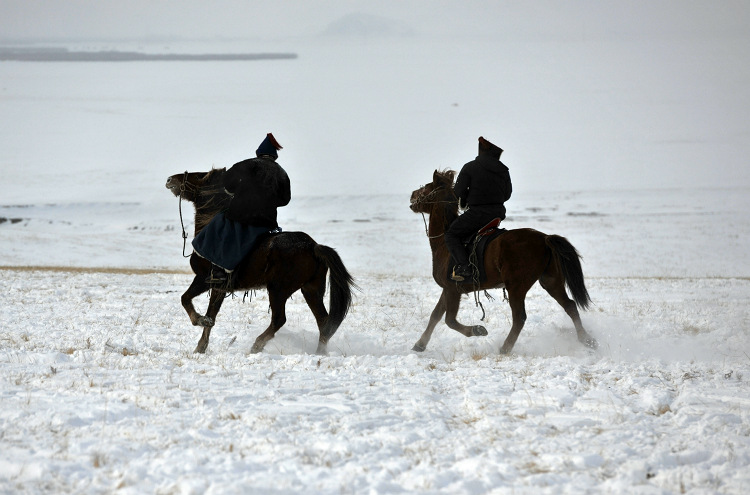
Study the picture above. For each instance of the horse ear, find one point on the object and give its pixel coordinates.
(436, 176)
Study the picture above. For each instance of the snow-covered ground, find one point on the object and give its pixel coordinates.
(100, 389)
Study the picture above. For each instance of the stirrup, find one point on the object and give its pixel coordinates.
(217, 276)
(456, 277)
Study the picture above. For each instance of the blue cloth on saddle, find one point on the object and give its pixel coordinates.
(225, 243)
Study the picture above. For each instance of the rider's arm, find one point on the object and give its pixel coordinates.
(461, 189)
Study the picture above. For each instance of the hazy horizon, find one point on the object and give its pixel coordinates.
(144, 20)
(581, 95)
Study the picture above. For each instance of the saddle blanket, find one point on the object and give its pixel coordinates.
(225, 243)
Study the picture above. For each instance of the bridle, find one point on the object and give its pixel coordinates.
(426, 199)
(200, 190)
(183, 188)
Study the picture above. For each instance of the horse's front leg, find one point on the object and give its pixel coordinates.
(214, 304)
(452, 303)
(435, 317)
(197, 287)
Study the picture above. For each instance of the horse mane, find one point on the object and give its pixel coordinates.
(446, 177)
(212, 197)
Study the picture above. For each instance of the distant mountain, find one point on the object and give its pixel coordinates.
(367, 25)
(54, 54)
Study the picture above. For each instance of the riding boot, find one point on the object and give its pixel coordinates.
(461, 273)
(217, 276)
(461, 270)
(454, 241)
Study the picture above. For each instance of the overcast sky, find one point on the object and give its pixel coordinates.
(583, 92)
(138, 19)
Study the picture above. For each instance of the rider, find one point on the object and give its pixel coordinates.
(258, 186)
(482, 186)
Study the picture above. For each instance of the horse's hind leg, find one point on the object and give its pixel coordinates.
(517, 300)
(214, 304)
(555, 286)
(277, 301)
(314, 293)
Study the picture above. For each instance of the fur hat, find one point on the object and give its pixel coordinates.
(269, 147)
(489, 148)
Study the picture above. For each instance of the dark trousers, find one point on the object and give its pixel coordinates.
(467, 225)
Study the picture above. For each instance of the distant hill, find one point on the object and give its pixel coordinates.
(367, 25)
(52, 54)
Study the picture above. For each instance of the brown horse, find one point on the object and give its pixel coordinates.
(282, 263)
(515, 260)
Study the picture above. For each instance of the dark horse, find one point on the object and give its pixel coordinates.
(282, 263)
(515, 260)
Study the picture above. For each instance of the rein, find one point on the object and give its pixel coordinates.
(182, 223)
(427, 232)
(423, 200)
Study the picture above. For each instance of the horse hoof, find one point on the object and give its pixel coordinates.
(255, 349)
(591, 343)
(478, 331)
(419, 347)
(205, 321)
(200, 349)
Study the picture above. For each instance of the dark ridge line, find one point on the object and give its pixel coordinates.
(63, 55)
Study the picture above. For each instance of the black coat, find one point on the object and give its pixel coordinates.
(484, 181)
(259, 186)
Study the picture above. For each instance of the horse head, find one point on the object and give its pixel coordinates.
(196, 186)
(439, 191)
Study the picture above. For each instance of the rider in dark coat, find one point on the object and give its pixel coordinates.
(258, 187)
(483, 186)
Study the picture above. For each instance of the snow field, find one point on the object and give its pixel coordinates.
(102, 392)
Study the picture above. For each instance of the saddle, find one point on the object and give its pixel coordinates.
(475, 245)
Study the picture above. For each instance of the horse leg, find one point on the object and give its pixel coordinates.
(555, 287)
(314, 294)
(197, 287)
(452, 303)
(277, 301)
(517, 299)
(214, 304)
(435, 317)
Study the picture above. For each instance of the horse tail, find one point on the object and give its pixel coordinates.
(570, 264)
(341, 283)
